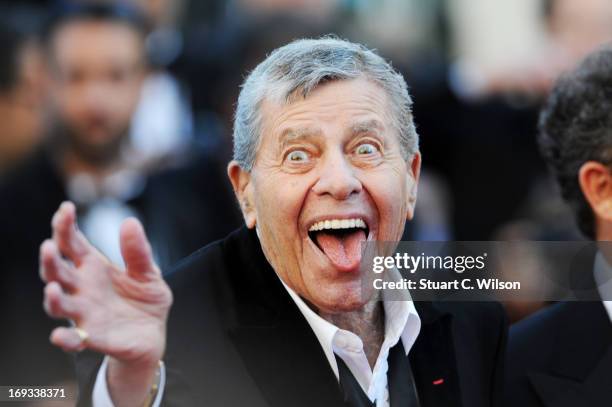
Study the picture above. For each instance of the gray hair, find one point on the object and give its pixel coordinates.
(297, 68)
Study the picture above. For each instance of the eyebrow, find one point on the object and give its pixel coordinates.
(366, 126)
(293, 135)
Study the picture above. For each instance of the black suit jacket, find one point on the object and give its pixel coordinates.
(562, 355)
(235, 338)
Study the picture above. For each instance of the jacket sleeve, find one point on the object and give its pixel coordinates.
(175, 391)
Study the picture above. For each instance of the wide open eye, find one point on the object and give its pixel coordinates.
(365, 149)
(297, 156)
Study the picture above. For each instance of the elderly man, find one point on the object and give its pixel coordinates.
(325, 157)
(562, 356)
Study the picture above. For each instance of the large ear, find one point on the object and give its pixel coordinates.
(596, 184)
(243, 188)
(414, 171)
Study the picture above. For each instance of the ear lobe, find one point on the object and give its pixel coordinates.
(243, 189)
(596, 184)
(414, 172)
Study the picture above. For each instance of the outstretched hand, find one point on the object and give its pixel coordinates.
(121, 313)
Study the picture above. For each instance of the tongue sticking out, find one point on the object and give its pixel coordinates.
(343, 249)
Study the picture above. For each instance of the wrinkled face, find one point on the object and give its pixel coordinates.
(328, 175)
(96, 72)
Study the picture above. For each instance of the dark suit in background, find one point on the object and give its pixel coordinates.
(562, 355)
(181, 209)
(236, 338)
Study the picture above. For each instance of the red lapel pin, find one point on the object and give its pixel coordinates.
(438, 381)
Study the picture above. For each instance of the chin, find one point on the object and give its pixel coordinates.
(347, 300)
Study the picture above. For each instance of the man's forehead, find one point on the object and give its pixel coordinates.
(315, 129)
(74, 35)
(357, 90)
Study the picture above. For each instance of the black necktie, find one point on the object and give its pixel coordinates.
(402, 388)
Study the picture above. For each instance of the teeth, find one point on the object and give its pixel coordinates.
(338, 224)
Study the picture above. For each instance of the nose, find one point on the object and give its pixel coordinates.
(95, 96)
(337, 178)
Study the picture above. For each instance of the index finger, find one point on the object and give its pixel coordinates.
(71, 242)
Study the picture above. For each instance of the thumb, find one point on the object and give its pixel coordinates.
(136, 251)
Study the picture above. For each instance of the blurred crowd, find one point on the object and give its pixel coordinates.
(125, 108)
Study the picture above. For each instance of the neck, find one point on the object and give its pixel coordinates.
(368, 323)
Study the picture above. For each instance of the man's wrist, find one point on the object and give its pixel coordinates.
(130, 383)
(155, 386)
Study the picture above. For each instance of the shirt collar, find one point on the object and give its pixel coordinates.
(401, 321)
(603, 279)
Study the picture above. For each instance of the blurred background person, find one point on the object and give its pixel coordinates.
(95, 66)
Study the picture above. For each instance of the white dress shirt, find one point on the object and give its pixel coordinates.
(603, 278)
(401, 322)
(101, 397)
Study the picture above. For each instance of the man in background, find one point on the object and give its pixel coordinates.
(562, 356)
(96, 62)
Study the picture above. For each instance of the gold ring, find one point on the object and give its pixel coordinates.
(83, 335)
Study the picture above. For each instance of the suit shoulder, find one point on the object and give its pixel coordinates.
(541, 327)
(532, 347)
(196, 266)
(216, 264)
(531, 343)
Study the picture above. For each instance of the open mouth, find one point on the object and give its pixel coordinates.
(340, 240)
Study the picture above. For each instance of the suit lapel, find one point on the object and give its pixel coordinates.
(277, 346)
(599, 382)
(582, 373)
(558, 391)
(297, 373)
(433, 359)
(594, 391)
